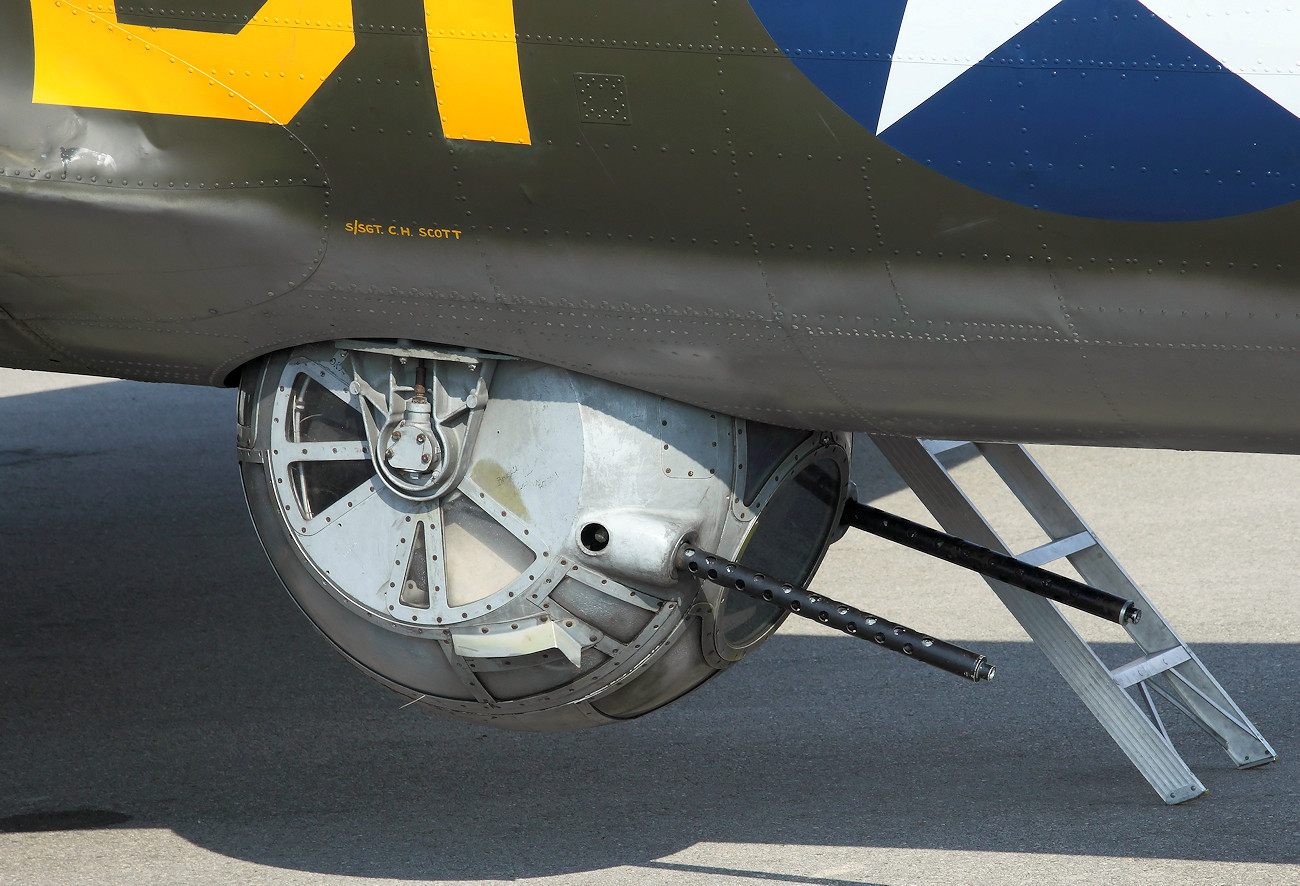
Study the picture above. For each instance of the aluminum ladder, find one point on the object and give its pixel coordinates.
(1121, 699)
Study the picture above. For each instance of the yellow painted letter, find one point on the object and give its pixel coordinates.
(475, 60)
(265, 73)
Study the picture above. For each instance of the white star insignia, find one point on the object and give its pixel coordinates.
(942, 39)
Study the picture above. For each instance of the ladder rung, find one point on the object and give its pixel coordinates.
(1148, 666)
(937, 447)
(1055, 550)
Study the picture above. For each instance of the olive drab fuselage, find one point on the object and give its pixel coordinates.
(725, 203)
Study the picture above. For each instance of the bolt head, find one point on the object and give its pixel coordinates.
(419, 438)
(397, 435)
(388, 453)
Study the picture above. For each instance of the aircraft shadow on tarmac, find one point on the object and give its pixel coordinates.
(151, 665)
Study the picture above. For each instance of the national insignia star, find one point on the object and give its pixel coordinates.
(942, 39)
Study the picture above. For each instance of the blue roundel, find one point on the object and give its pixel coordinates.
(1099, 108)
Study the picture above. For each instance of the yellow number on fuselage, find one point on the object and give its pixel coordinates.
(475, 59)
(265, 73)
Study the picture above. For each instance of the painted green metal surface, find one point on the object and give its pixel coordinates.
(729, 237)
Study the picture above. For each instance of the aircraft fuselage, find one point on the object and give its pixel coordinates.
(757, 210)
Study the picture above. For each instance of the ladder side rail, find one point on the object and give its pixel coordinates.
(1113, 708)
(1054, 513)
(1211, 706)
(1215, 712)
(1176, 701)
(1036, 491)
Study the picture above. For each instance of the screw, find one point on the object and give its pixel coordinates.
(425, 458)
(419, 438)
(388, 453)
(397, 435)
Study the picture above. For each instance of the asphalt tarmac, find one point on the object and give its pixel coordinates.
(167, 716)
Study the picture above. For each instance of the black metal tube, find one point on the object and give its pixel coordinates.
(841, 616)
(992, 564)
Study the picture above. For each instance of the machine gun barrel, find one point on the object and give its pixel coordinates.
(832, 613)
(992, 564)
